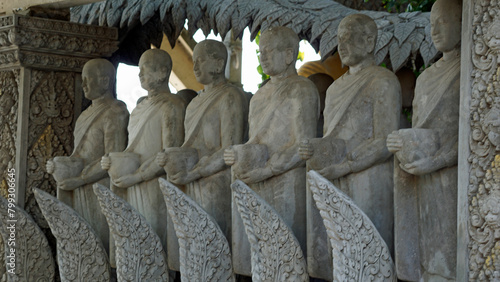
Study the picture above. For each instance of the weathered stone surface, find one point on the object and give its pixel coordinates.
(139, 252)
(359, 252)
(215, 119)
(204, 250)
(276, 254)
(479, 148)
(81, 256)
(282, 113)
(429, 151)
(99, 130)
(361, 108)
(33, 259)
(32, 42)
(156, 123)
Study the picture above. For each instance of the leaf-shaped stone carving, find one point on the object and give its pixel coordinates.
(399, 55)
(275, 252)
(403, 30)
(33, 257)
(139, 253)
(359, 252)
(204, 250)
(428, 51)
(381, 54)
(383, 39)
(80, 254)
(313, 20)
(328, 42)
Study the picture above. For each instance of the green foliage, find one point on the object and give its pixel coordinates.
(400, 6)
(264, 76)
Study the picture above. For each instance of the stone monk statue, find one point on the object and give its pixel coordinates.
(215, 120)
(429, 150)
(361, 108)
(282, 113)
(99, 130)
(157, 122)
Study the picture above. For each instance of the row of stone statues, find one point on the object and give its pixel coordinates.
(199, 148)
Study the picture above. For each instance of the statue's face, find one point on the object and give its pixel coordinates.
(272, 59)
(445, 29)
(92, 86)
(150, 73)
(204, 67)
(353, 45)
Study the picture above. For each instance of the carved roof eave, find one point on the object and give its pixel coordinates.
(51, 44)
(401, 36)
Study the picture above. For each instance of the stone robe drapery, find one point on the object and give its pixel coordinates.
(281, 115)
(100, 129)
(156, 123)
(214, 121)
(436, 106)
(361, 110)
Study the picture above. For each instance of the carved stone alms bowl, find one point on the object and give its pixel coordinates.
(418, 143)
(180, 159)
(123, 163)
(67, 167)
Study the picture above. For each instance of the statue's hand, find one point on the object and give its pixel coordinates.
(394, 142)
(256, 175)
(229, 156)
(335, 171)
(306, 150)
(105, 162)
(181, 178)
(127, 180)
(71, 184)
(50, 166)
(161, 158)
(421, 166)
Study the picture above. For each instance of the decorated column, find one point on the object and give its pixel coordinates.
(41, 97)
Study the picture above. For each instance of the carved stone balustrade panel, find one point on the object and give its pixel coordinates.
(139, 252)
(359, 252)
(28, 256)
(204, 250)
(80, 253)
(275, 251)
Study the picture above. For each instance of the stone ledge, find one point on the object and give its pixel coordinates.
(52, 44)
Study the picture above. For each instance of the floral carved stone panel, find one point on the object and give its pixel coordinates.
(484, 141)
(9, 81)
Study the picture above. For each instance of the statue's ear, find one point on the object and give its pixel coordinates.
(371, 43)
(289, 56)
(220, 67)
(104, 81)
